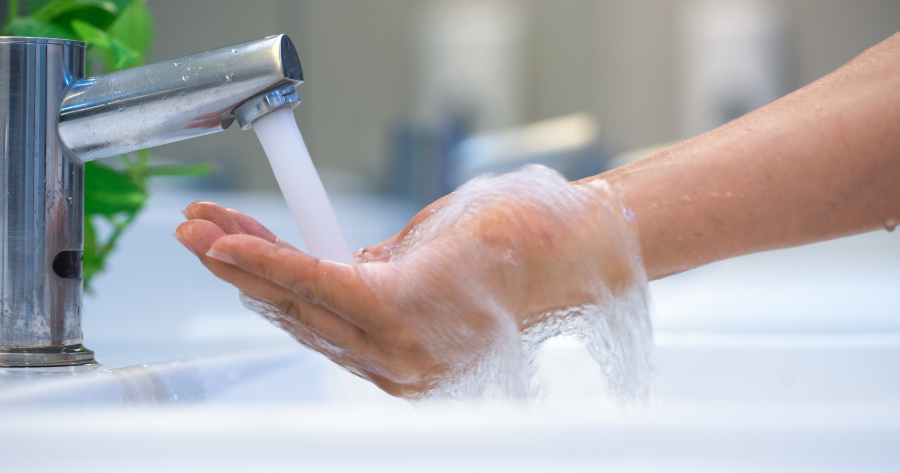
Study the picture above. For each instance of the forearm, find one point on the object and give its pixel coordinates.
(820, 163)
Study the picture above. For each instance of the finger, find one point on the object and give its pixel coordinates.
(252, 227)
(336, 285)
(313, 326)
(339, 332)
(199, 234)
(232, 221)
(214, 213)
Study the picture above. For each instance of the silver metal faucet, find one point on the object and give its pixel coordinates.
(53, 120)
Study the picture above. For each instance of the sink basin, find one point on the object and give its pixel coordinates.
(783, 361)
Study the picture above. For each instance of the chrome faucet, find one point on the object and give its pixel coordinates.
(53, 120)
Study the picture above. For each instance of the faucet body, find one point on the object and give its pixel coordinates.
(53, 120)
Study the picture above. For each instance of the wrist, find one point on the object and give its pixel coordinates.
(591, 254)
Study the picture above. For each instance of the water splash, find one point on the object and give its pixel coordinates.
(617, 334)
(612, 323)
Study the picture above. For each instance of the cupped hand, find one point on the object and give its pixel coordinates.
(421, 309)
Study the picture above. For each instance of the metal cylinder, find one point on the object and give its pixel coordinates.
(41, 207)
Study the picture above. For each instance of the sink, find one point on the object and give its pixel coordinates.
(782, 361)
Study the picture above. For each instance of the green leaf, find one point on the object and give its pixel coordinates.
(134, 27)
(92, 262)
(99, 13)
(181, 171)
(56, 8)
(35, 5)
(36, 28)
(12, 12)
(109, 192)
(123, 4)
(114, 52)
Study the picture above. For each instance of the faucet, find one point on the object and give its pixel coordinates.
(53, 120)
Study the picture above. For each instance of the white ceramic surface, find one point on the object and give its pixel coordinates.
(784, 361)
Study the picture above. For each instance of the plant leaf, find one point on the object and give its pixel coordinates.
(36, 28)
(109, 192)
(124, 4)
(35, 5)
(55, 8)
(12, 12)
(92, 262)
(181, 171)
(134, 27)
(115, 53)
(99, 13)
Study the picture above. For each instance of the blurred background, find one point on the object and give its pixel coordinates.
(395, 88)
(781, 358)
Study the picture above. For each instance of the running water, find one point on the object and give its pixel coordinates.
(612, 322)
(301, 186)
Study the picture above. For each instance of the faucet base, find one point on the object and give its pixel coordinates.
(52, 356)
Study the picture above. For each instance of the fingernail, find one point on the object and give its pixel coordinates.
(186, 214)
(212, 253)
(184, 242)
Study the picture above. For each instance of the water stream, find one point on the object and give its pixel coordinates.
(301, 187)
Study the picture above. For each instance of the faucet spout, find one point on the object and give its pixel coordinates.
(174, 100)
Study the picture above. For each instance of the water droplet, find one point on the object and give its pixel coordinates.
(122, 108)
(229, 77)
(189, 68)
(183, 77)
(233, 50)
(69, 199)
(890, 224)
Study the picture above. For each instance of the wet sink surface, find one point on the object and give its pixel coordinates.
(793, 354)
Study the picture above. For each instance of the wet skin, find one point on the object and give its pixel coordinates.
(820, 163)
(406, 322)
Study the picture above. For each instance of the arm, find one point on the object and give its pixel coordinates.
(494, 258)
(820, 163)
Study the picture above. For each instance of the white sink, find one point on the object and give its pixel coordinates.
(784, 361)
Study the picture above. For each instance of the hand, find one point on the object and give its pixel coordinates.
(457, 286)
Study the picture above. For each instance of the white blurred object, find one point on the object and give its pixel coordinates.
(734, 60)
(471, 61)
(556, 143)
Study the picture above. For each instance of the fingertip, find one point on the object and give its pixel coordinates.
(220, 255)
(214, 213)
(185, 243)
(200, 234)
(244, 243)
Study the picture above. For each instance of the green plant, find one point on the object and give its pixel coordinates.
(118, 34)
